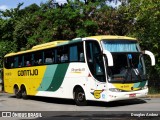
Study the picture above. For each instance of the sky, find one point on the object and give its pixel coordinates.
(8, 4)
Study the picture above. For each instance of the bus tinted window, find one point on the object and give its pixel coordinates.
(62, 54)
(76, 53)
(49, 56)
(15, 64)
(73, 53)
(9, 62)
(20, 61)
(80, 52)
(38, 58)
(28, 60)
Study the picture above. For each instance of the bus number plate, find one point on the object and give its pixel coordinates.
(132, 95)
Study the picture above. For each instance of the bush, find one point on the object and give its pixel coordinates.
(154, 90)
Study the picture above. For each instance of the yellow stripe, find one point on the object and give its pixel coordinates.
(126, 87)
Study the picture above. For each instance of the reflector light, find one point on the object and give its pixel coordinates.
(89, 75)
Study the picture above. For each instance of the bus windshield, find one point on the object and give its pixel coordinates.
(128, 63)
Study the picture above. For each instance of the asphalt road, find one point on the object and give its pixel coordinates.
(49, 108)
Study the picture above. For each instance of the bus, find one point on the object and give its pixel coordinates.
(96, 68)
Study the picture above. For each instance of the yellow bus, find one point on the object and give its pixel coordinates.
(97, 68)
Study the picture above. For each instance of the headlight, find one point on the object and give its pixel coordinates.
(115, 90)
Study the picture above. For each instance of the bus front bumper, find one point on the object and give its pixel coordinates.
(114, 96)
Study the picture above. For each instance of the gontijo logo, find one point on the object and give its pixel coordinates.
(77, 70)
(33, 72)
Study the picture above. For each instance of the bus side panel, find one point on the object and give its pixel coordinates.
(65, 77)
(53, 79)
(30, 77)
(57, 80)
(78, 75)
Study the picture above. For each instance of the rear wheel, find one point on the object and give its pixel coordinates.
(24, 93)
(17, 92)
(79, 97)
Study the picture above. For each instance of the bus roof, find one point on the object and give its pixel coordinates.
(49, 44)
(111, 37)
(63, 42)
(40, 47)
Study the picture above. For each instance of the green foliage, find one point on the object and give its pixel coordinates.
(24, 28)
(4, 49)
(153, 90)
(147, 30)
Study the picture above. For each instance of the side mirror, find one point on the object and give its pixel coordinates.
(109, 57)
(151, 55)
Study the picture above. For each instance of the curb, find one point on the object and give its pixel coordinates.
(154, 96)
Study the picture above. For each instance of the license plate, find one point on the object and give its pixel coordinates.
(132, 95)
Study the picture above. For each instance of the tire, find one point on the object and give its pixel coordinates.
(79, 97)
(17, 92)
(24, 93)
(1, 87)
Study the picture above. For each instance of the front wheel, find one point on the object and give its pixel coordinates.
(79, 97)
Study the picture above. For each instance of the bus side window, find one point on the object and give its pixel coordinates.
(9, 62)
(38, 58)
(76, 53)
(39, 62)
(73, 53)
(28, 60)
(81, 56)
(64, 58)
(81, 52)
(62, 54)
(15, 64)
(49, 56)
(28, 63)
(20, 61)
(58, 59)
(59, 53)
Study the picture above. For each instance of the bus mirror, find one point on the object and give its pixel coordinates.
(109, 57)
(151, 55)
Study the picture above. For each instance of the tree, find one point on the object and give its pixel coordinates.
(147, 30)
(48, 22)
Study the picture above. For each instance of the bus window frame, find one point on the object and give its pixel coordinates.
(65, 47)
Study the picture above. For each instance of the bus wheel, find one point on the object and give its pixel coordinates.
(24, 93)
(79, 97)
(17, 92)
